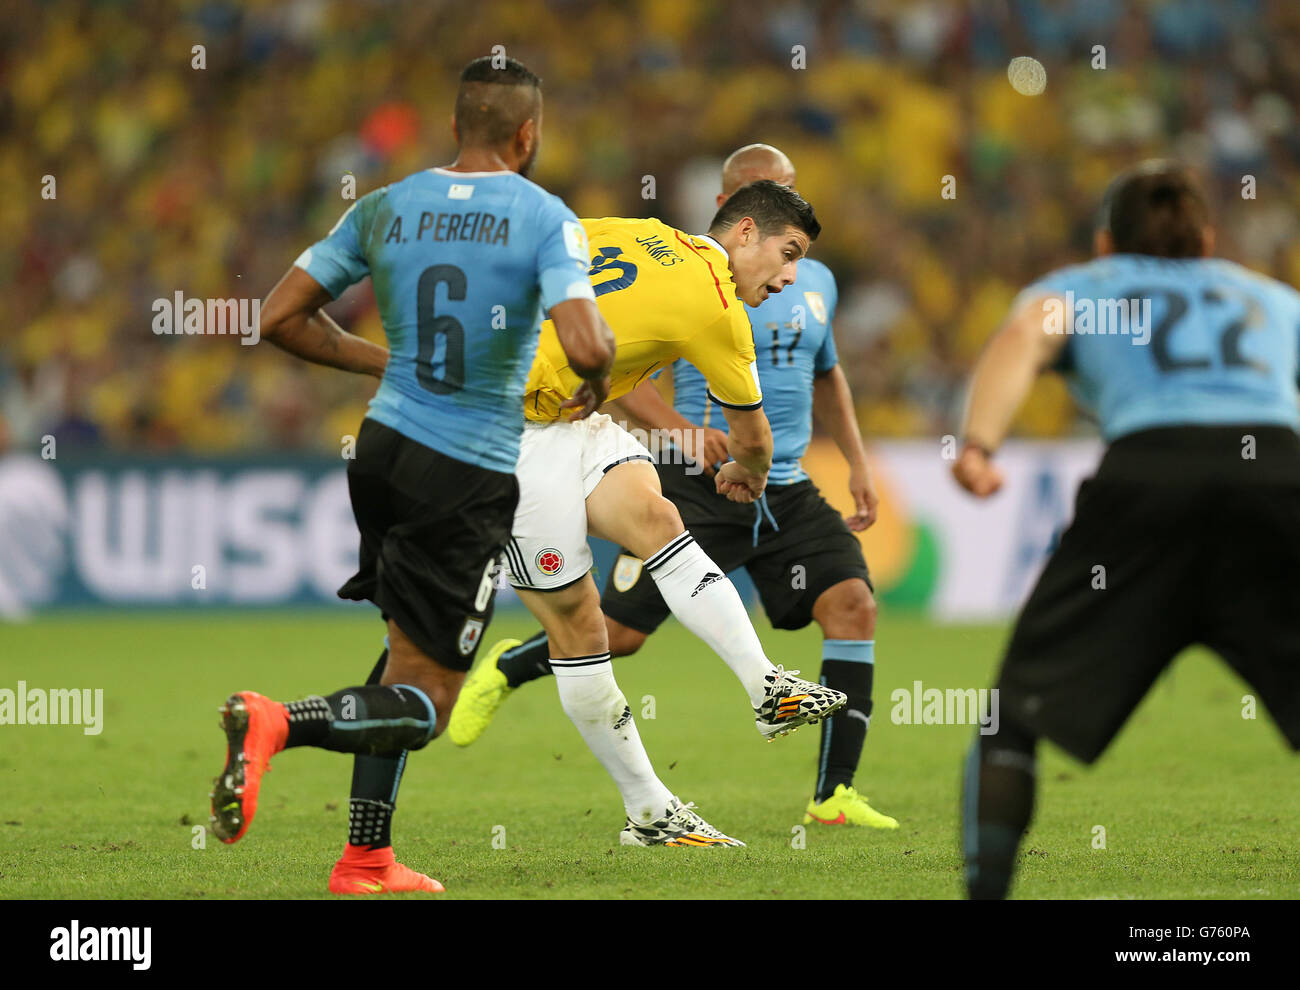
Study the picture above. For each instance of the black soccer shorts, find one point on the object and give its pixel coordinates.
(432, 530)
(809, 550)
(1177, 539)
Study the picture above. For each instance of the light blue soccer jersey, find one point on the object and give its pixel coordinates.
(464, 265)
(1167, 342)
(793, 343)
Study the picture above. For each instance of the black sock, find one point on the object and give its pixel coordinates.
(997, 804)
(378, 721)
(306, 717)
(375, 780)
(526, 662)
(848, 666)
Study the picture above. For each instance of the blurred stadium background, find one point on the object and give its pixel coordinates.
(177, 450)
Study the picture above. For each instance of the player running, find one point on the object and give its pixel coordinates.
(1197, 401)
(793, 527)
(432, 483)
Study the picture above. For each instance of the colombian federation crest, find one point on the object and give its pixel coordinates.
(817, 304)
(626, 572)
(470, 633)
(550, 561)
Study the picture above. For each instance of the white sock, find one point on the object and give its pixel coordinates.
(592, 700)
(707, 603)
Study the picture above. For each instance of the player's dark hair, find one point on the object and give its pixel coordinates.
(772, 206)
(495, 69)
(496, 95)
(1156, 208)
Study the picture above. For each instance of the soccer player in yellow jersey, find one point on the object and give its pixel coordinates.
(802, 381)
(665, 295)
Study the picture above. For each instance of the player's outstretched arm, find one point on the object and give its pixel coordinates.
(833, 409)
(292, 319)
(647, 407)
(743, 478)
(589, 346)
(1003, 377)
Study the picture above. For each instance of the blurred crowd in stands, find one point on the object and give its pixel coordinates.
(169, 177)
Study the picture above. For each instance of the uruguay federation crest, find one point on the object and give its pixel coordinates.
(469, 636)
(627, 571)
(817, 304)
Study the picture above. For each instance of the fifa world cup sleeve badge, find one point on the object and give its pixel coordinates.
(626, 572)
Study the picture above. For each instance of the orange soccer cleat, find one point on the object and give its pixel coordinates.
(377, 871)
(256, 729)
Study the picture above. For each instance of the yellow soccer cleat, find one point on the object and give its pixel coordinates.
(480, 696)
(846, 807)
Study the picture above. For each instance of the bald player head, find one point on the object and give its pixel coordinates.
(751, 163)
(499, 111)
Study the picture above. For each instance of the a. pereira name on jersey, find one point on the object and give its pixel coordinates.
(476, 227)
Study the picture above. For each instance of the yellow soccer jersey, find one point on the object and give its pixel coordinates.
(666, 295)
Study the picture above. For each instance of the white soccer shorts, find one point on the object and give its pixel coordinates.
(560, 464)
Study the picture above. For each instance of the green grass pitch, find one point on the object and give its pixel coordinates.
(1196, 801)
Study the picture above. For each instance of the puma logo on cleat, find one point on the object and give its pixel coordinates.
(709, 578)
